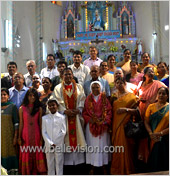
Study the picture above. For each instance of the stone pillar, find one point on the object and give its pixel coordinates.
(156, 30)
(39, 35)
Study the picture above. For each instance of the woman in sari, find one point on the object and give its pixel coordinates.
(30, 122)
(123, 107)
(46, 93)
(97, 114)
(9, 133)
(111, 60)
(134, 76)
(147, 92)
(145, 57)
(157, 125)
(162, 73)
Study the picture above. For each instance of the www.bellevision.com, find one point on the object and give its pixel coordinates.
(69, 149)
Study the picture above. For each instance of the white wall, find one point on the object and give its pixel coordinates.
(51, 24)
(164, 16)
(143, 14)
(144, 25)
(25, 22)
(26, 25)
(4, 56)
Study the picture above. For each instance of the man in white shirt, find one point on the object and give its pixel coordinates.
(51, 70)
(93, 60)
(80, 71)
(31, 66)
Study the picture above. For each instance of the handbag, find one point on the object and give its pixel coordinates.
(135, 129)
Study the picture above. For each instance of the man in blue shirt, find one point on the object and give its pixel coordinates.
(94, 72)
(18, 91)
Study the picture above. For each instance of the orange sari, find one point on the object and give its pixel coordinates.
(122, 162)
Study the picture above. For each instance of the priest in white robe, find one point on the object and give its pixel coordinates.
(71, 97)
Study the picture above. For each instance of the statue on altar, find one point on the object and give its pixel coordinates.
(96, 24)
(139, 47)
(70, 29)
(96, 17)
(125, 27)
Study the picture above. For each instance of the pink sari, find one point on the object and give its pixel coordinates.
(149, 93)
(31, 163)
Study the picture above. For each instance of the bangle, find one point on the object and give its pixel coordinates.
(127, 110)
(161, 133)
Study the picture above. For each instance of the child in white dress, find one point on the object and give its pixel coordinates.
(53, 132)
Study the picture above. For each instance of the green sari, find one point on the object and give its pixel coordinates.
(159, 156)
(9, 123)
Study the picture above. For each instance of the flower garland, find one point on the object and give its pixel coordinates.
(101, 120)
(74, 94)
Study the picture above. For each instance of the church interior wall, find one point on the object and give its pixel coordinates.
(51, 24)
(4, 56)
(164, 16)
(26, 23)
(143, 14)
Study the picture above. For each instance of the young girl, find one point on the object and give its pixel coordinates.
(53, 131)
(30, 116)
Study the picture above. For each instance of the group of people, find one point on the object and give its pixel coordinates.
(70, 119)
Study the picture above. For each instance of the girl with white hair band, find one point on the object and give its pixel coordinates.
(97, 114)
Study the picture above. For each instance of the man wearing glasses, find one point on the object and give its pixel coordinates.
(51, 70)
(18, 91)
(31, 66)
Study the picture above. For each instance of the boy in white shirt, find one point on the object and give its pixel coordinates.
(53, 132)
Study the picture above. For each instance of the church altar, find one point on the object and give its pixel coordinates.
(108, 25)
(113, 46)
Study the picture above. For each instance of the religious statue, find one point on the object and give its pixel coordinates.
(139, 46)
(96, 24)
(70, 29)
(125, 27)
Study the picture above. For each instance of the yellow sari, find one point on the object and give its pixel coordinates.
(164, 122)
(122, 162)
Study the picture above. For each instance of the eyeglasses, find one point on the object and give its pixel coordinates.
(18, 77)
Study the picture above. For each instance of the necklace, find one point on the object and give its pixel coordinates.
(162, 113)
